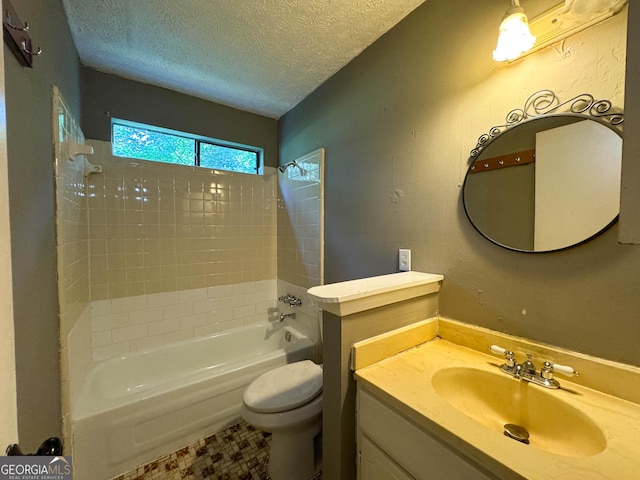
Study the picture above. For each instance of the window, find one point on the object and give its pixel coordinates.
(145, 142)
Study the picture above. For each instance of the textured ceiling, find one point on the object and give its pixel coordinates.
(262, 56)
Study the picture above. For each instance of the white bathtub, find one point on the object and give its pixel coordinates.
(136, 408)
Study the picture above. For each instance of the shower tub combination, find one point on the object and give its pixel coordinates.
(135, 408)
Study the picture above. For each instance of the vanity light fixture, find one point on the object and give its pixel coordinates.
(557, 23)
(515, 37)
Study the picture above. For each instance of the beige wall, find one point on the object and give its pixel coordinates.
(398, 124)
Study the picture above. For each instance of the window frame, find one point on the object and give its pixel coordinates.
(198, 140)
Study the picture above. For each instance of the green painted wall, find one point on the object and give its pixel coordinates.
(398, 124)
(31, 200)
(144, 103)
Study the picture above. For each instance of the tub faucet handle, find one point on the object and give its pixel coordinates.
(295, 302)
(290, 300)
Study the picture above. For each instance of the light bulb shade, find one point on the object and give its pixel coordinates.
(515, 37)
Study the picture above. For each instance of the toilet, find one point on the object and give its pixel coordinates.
(287, 402)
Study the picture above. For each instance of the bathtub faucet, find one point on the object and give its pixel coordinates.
(287, 315)
(290, 300)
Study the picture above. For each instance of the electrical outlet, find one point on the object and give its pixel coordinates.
(404, 260)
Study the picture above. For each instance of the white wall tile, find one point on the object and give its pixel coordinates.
(190, 296)
(204, 306)
(192, 321)
(146, 316)
(110, 351)
(266, 306)
(255, 319)
(221, 316)
(206, 330)
(147, 343)
(128, 304)
(163, 326)
(148, 321)
(180, 336)
(224, 303)
(162, 299)
(101, 307)
(221, 291)
(180, 231)
(244, 311)
(177, 311)
(128, 333)
(108, 322)
(241, 288)
(231, 324)
(101, 339)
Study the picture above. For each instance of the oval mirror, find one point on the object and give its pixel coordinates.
(549, 178)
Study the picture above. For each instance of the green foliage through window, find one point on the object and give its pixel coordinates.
(137, 141)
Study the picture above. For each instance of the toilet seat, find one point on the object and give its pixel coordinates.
(284, 388)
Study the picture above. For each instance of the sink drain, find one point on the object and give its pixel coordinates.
(517, 432)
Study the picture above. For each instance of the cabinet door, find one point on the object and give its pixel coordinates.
(376, 465)
(419, 453)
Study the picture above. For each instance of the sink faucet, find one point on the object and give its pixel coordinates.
(526, 371)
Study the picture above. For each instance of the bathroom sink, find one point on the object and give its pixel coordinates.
(495, 400)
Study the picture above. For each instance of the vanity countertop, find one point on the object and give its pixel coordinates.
(404, 381)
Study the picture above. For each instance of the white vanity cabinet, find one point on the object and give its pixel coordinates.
(391, 447)
(423, 410)
(376, 465)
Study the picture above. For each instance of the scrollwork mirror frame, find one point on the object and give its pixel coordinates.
(546, 102)
(543, 104)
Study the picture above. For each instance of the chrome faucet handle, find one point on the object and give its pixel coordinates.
(565, 370)
(509, 359)
(290, 300)
(546, 371)
(295, 302)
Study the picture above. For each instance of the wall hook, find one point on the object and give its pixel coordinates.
(16, 35)
(26, 50)
(22, 29)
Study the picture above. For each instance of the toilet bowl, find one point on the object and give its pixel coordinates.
(287, 402)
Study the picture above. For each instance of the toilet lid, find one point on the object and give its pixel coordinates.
(284, 388)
